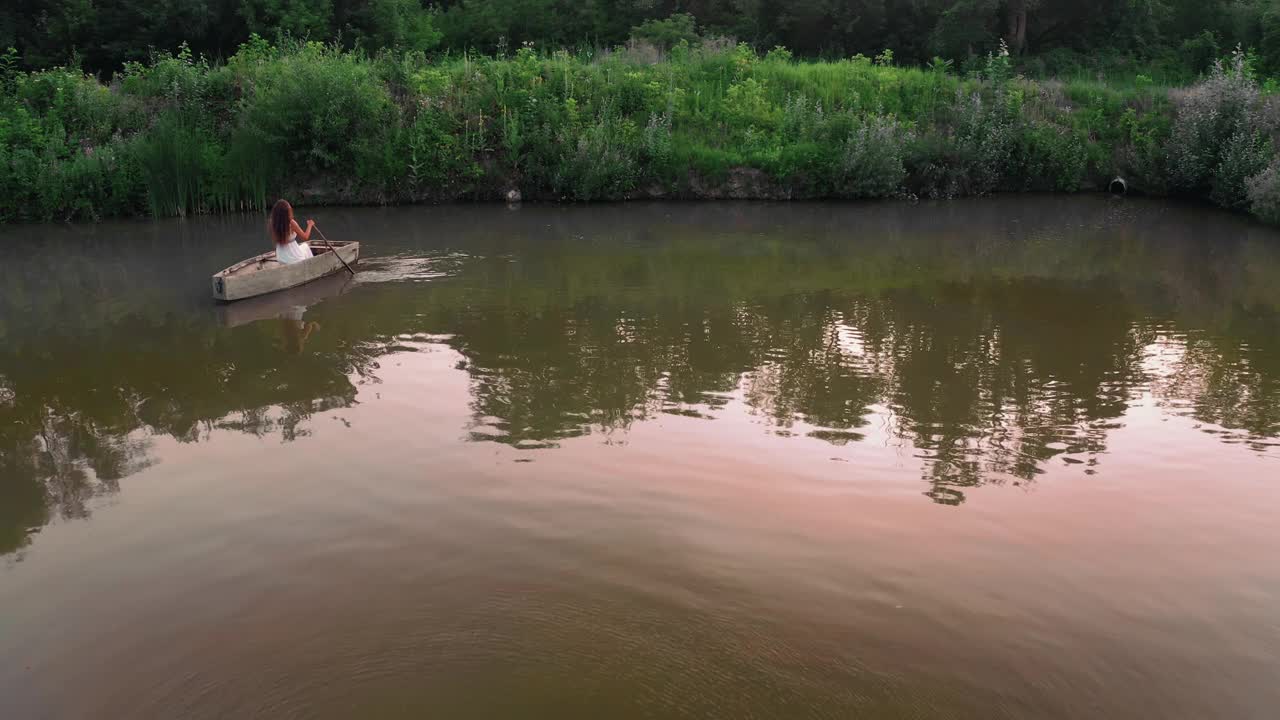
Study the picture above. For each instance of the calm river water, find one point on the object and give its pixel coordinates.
(1005, 458)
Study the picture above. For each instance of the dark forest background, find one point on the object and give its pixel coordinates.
(1048, 36)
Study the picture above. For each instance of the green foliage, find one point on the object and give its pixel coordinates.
(1050, 158)
(602, 164)
(300, 18)
(1263, 192)
(8, 71)
(1201, 51)
(779, 54)
(999, 68)
(1141, 149)
(323, 110)
(870, 161)
(179, 160)
(658, 146)
(1269, 40)
(1063, 39)
(400, 24)
(1244, 155)
(433, 155)
(965, 27)
(747, 105)
(982, 146)
(667, 33)
(318, 123)
(1218, 118)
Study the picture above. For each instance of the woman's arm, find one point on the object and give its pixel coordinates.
(303, 236)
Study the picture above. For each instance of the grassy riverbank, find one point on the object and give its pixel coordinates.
(322, 125)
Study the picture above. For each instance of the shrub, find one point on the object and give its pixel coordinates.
(431, 154)
(1211, 115)
(81, 109)
(1141, 152)
(658, 147)
(601, 164)
(180, 79)
(870, 162)
(666, 34)
(802, 118)
(1050, 158)
(1263, 192)
(999, 68)
(1244, 155)
(779, 54)
(83, 187)
(322, 110)
(984, 142)
(746, 104)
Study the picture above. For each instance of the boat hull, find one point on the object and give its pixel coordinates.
(285, 303)
(262, 274)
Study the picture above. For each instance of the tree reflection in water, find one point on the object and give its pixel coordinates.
(994, 338)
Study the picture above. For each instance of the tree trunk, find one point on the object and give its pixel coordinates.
(1016, 26)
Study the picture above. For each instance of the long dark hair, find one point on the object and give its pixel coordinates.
(281, 214)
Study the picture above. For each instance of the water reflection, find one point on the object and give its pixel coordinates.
(993, 339)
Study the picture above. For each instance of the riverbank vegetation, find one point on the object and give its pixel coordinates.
(676, 111)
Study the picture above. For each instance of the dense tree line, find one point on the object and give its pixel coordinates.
(102, 36)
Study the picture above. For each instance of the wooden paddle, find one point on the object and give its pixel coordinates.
(334, 251)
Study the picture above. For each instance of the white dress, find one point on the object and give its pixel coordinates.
(293, 251)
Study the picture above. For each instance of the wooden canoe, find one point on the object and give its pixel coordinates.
(264, 274)
(284, 303)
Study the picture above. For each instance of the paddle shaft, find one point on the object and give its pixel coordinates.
(334, 250)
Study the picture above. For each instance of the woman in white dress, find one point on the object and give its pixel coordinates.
(291, 240)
